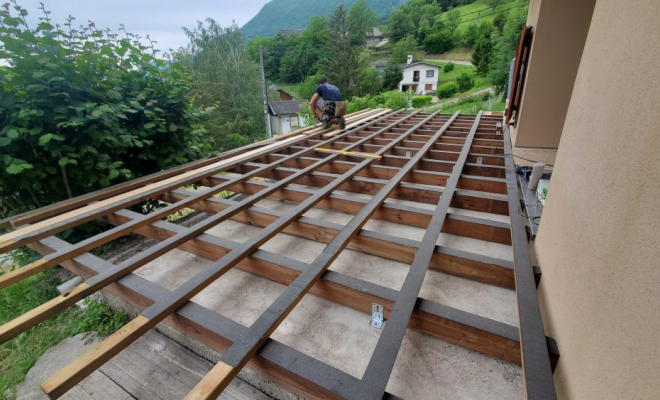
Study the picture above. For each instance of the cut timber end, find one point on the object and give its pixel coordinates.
(72, 374)
(213, 383)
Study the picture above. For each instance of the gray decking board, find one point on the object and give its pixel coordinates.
(154, 367)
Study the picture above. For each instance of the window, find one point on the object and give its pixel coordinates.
(428, 86)
(429, 73)
(294, 121)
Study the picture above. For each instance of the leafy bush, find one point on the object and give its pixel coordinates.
(84, 108)
(465, 82)
(361, 103)
(438, 43)
(448, 67)
(394, 100)
(447, 90)
(421, 101)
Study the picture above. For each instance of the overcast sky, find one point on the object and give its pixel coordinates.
(161, 19)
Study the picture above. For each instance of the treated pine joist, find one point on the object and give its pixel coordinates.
(380, 366)
(466, 199)
(72, 374)
(58, 223)
(484, 184)
(485, 159)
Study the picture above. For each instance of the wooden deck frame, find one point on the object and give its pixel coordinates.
(480, 176)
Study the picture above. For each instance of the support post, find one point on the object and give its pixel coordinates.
(264, 91)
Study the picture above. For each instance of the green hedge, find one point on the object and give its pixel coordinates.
(421, 101)
(447, 90)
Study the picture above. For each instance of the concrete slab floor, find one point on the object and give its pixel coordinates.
(427, 367)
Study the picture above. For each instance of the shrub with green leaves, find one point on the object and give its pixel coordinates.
(395, 100)
(447, 90)
(465, 82)
(84, 108)
(448, 67)
(421, 101)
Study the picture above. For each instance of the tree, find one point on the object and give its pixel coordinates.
(224, 76)
(301, 61)
(274, 49)
(370, 82)
(84, 108)
(399, 25)
(470, 36)
(344, 67)
(393, 75)
(361, 21)
(453, 20)
(483, 49)
(439, 43)
(403, 48)
(493, 4)
(504, 49)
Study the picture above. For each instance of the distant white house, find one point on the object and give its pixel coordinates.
(419, 77)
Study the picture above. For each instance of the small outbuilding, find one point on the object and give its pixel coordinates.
(284, 115)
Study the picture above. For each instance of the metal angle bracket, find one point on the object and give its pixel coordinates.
(377, 315)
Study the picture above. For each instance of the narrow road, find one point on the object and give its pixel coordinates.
(469, 64)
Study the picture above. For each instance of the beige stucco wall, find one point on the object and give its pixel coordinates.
(599, 239)
(559, 30)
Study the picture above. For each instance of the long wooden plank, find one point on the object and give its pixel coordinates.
(537, 371)
(64, 221)
(107, 236)
(11, 328)
(380, 366)
(239, 353)
(71, 374)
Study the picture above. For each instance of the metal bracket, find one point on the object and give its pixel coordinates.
(480, 160)
(377, 315)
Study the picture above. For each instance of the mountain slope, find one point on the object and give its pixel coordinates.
(292, 14)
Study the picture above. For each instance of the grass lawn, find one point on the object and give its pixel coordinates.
(290, 88)
(486, 13)
(18, 355)
(456, 54)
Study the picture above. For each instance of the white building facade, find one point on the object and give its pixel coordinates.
(419, 77)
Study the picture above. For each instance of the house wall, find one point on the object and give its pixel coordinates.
(598, 244)
(408, 73)
(559, 31)
(275, 125)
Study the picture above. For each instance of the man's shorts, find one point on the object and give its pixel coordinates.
(340, 107)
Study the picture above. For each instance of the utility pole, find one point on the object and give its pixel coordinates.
(265, 92)
(479, 17)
